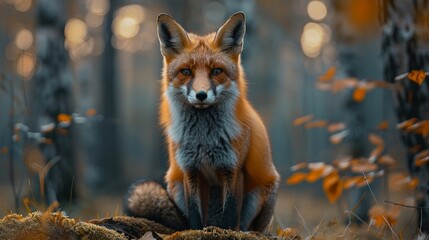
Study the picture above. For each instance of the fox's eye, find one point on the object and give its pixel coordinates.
(216, 71)
(186, 72)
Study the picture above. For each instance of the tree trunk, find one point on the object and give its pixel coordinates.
(51, 96)
(405, 48)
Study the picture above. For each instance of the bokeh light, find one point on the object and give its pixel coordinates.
(134, 11)
(125, 27)
(25, 65)
(22, 5)
(75, 31)
(317, 10)
(312, 39)
(94, 20)
(98, 7)
(24, 39)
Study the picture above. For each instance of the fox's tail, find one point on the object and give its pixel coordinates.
(148, 199)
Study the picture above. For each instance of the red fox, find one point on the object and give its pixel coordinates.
(220, 168)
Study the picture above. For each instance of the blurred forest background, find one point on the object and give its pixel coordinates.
(80, 91)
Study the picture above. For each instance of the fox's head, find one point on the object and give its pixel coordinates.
(201, 71)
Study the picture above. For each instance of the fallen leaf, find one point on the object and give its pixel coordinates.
(91, 112)
(288, 233)
(302, 120)
(332, 186)
(397, 180)
(329, 75)
(323, 86)
(335, 127)
(349, 182)
(4, 150)
(380, 216)
(386, 160)
(342, 163)
(46, 128)
(298, 166)
(407, 123)
(362, 181)
(376, 140)
(316, 124)
(343, 84)
(383, 125)
(316, 165)
(314, 175)
(422, 158)
(412, 184)
(359, 94)
(417, 76)
(375, 153)
(362, 165)
(296, 178)
(338, 137)
(62, 117)
(421, 128)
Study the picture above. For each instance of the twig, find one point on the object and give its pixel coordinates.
(302, 219)
(403, 205)
(375, 199)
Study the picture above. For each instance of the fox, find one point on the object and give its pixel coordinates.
(221, 171)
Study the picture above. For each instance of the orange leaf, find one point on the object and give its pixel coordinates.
(359, 166)
(334, 127)
(91, 112)
(343, 84)
(4, 150)
(349, 182)
(298, 166)
(316, 124)
(421, 127)
(329, 75)
(342, 163)
(376, 140)
(296, 178)
(338, 137)
(376, 213)
(397, 180)
(383, 125)
(376, 153)
(406, 124)
(288, 233)
(62, 117)
(362, 181)
(359, 94)
(47, 141)
(332, 186)
(422, 158)
(386, 160)
(302, 120)
(314, 175)
(412, 184)
(417, 76)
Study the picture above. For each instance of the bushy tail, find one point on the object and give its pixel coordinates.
(148, 199)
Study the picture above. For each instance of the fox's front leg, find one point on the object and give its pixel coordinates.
(232, 198)
(193, 201)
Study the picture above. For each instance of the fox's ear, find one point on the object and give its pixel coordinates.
(230, 36)
(172, 37)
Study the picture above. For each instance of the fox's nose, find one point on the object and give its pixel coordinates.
(201, 95)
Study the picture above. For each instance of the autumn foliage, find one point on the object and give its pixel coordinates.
(346, 172)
